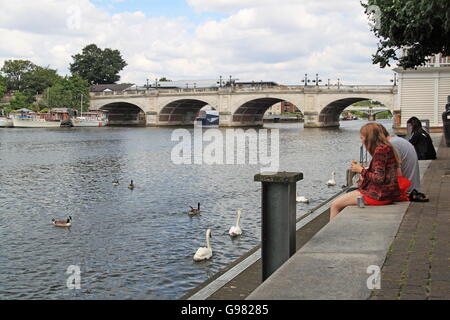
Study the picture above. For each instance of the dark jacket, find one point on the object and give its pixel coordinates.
(423, 144)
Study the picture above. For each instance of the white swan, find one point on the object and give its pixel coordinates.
(236, 230)
(204, 253)
(332, 181)
(302, 199)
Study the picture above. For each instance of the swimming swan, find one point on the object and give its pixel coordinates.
(302, 199)
(194, 211)
(204, 253)
(62, 223)
(332, 181)
(236, 230)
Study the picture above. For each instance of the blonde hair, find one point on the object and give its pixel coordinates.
(374, 136)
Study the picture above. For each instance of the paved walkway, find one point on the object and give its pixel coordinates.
(417, 266)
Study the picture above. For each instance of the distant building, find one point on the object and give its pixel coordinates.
(110, 87)
(422, 93)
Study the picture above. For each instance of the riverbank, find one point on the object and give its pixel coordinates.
(249, 278)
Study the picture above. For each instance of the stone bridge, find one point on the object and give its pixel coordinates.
(321, 106)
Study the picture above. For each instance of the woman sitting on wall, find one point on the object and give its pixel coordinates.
(378, 184)
(421, 140)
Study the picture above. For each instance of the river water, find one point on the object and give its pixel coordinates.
(138, 244)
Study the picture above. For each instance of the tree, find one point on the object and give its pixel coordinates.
(3, 88)
(164, 79)
(14, 71)
(67, 93)
(39, 79)
(98, 66)
(422, 27)
(21, 100)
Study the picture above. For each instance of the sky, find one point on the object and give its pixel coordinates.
(252, 40)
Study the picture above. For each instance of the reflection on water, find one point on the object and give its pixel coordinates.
(137, 244)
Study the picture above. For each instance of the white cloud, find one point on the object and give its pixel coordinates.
(258, 40)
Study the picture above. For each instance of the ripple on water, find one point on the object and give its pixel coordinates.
(137, 244)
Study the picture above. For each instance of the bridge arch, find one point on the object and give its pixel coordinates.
(124, 114)
(329, 115)
(251, 112)
(181, 112)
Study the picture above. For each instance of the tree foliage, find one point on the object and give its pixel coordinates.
(66, 93)
(3, 88)
(40, 78)
(98, 66)
(422, 27)
(14, 71)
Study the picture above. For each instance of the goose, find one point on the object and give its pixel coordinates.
(236, 230)
(115, 183)
(62, 223)
(204, 253)
(302, 199)
(194, 211)
(131, 185)
(332, 181)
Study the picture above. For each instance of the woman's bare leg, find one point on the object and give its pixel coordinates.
(348, 199)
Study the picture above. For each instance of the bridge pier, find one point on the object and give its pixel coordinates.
(315, 120)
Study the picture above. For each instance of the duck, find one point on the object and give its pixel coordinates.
(115, 183)
(194, 211)
(131, 185)
(302, 199)
(204, 253)
(332, 181)
(236, 229)
(62, 223)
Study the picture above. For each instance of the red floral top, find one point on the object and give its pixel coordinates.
(380, 181)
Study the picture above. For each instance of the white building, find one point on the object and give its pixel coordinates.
(422, 93)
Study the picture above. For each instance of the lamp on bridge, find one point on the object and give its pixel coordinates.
(394, 80)
(306, 81)
(317, 80)
(220, 82)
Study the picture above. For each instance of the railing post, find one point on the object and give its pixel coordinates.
(278, 208)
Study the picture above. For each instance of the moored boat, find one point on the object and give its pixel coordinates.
(27, 119)
(90, 119)
(6, 122)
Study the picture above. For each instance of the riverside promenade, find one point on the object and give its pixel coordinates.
(411, 244)
(417, 266)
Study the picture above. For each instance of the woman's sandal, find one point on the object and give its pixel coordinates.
(416, 196)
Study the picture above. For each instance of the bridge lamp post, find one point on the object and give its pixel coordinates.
(339, 84)
(147, 85)
(394, 80)
(220, 82)
(306, 81)
(317, 80)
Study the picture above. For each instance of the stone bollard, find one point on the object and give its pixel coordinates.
(278, 208)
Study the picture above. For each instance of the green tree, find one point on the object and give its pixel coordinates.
(422, 27)
(66, 93)
(164, 79)
(3, 88)
(98, 66)
(14, 71)
(21, 100)
(39, 78)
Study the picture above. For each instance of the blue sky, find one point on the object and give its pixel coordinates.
(160, 8)
(253, 40)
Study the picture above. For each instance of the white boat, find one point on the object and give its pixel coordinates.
(90, 119)
(6, 122)
(34, 122)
